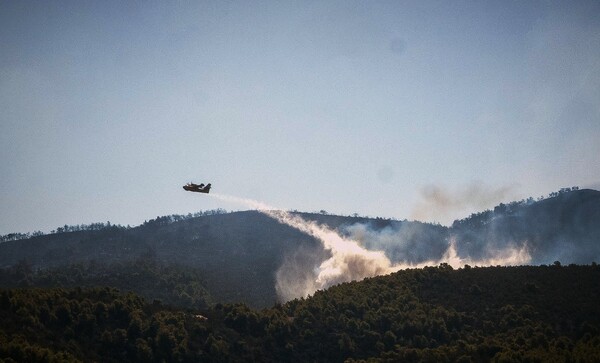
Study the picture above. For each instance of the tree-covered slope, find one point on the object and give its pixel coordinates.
(239, 254)
(175, 285)
(563, 227)
(436, 314)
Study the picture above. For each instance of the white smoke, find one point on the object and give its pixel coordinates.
(416, 244)
(349, 261)
(444, 205)
(511, 256)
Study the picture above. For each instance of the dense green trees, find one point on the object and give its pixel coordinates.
(502, 314)
(175, 285)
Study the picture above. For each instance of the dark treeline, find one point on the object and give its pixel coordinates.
(181, 217)
(435, 314)
(565, 226)
(184, 287)
(98, 226)
(164, 220)
(241, 253)
(238, 253)
(506, 209)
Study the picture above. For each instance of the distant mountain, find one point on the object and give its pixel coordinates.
(564, 227)
(239, 253)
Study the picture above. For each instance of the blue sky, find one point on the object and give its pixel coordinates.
(107, 108)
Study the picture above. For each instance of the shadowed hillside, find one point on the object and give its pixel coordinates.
(238, 254)
(564, 227)
(435, 314)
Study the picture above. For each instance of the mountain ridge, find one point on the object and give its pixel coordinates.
(239, 253)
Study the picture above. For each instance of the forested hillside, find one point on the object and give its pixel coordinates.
(564, 227)
(176, 285)
(236, 256)
(436, 314)
(237, 253)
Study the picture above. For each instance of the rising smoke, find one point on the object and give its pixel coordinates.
(358, 254)
(443, 205)
(349, 261)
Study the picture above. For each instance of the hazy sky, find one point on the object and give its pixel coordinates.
(423, 109)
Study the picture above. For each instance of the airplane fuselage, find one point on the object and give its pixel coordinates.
(197, 188)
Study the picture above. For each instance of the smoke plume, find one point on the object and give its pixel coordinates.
(413, 245)
(350, 257)
(349, 261)
(443, 205)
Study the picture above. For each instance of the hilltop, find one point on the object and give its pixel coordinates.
(236, 256)
(564, 227)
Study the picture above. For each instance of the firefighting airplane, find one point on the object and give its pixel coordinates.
(191, 187)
